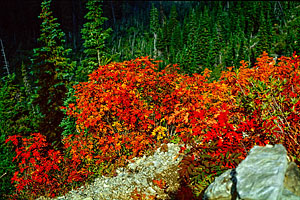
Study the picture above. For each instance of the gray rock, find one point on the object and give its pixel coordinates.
(220, 188)
(292, 179)
(260, 176)
(288, 195)
(265, 174)
(88, 198)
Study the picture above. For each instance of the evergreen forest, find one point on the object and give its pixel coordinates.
(87, 84)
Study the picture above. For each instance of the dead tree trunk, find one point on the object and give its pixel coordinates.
(6, 66)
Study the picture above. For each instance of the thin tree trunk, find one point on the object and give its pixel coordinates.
(98, 54)
(113, 11)
(132, 44)
(154, 45)
(74, 25)
(4, 57)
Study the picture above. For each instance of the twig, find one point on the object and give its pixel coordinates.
(3, 175)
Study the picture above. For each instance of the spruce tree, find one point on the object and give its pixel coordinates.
(95, 54)
(176, 44)
(52, 69)
(203, 41)
(94, 37)
(189, 57)
(214, 49)
(264, 33)
(230, 53)
(172, 24)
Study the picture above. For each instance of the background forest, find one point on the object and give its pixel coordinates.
(59, 43)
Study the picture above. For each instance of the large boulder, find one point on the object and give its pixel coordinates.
(265, 174)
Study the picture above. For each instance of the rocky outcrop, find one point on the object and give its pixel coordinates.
(137, 176)
(265, 174)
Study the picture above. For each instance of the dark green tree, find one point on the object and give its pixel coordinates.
(230, 54)
(203, 39)
(172, 24)
(52, 68)
(264, 33)
(96, 54)
(214, 49)
(189, 58)
(176, 44)
(94, 37)
(292, 31)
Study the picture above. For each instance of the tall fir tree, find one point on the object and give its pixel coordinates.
(203, 41)
(264, 33)
(52, 69)
(176, 44)
(172, 24)
(189, 57)
(94, 37)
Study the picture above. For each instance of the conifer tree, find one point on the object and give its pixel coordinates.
(161, 41)
(172, 24)
(52, 69)
(176, 44)
(214, 49)
(230, 54)
(95, 54)
(203, 42)
(94, 37)
(189, 58)
(264, 33)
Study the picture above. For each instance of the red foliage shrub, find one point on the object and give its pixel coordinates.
(37, 167)
(127, 109)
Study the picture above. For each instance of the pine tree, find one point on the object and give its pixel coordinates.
(293, 29)
(94, 37)
(214, 49)
(172, 24)
(176, 44)
(161, 41)
(189, 57)
(203, 42)
(230, 54)
(52, 69)
(264, 33)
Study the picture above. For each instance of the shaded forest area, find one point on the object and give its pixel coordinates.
(47, 47)
(238, 26)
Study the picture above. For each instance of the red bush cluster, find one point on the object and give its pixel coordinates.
(127, 109)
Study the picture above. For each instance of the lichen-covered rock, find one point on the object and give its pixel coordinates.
(292, 179)
(265, 174)
(260, 176)
(221, 187)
